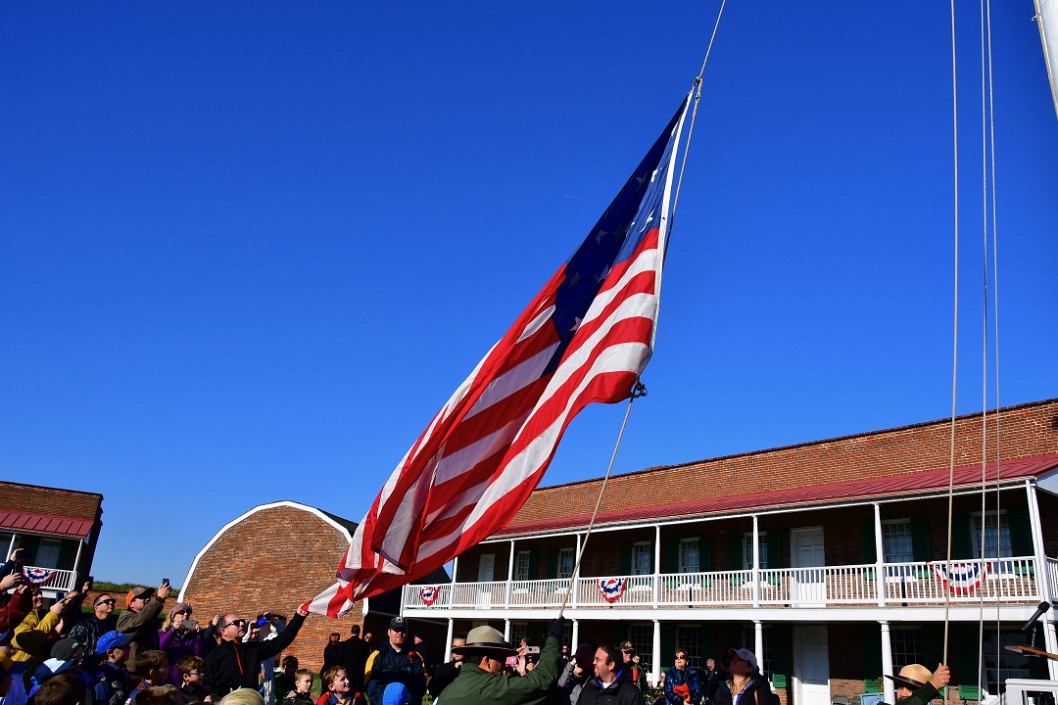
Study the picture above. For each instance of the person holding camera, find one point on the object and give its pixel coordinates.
(144, 606)
(481, 679)
(182, 636)
(233, 663)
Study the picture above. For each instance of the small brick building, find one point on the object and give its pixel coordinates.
(275, 557)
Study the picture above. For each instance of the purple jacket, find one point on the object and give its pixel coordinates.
(178, 644)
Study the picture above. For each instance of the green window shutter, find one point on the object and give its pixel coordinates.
(534, 568)
(734, 558)
(552, 563)
(1020, 531)
(870, 554)
(774, 541)
(933, 646)
(705, 553)
(872, 651)
(671, 552)
(66, 555)
(921, 548)
(651, 549)
(668, 647)
(626, 559)
(710, 643)
(964, 643)
(780, 637)
(961, 545)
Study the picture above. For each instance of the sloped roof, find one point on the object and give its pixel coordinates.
(52, 524)
(872, 488)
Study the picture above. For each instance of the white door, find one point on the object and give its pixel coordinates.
(811, 666)
(486, 574)
(808, 586)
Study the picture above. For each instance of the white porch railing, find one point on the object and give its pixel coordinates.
(1010, 580)
(60, 581)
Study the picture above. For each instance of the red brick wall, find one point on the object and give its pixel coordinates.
(274, 560)
(1026, 430)
(50, 500)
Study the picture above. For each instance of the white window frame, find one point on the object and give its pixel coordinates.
(897, 530)
(48, 552)
(567, 559)
(688, 638)
(690, 556)
(747, 550)
(521, 565)
(640, 549)
(999, 567)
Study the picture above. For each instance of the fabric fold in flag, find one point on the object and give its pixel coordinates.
(586, 337)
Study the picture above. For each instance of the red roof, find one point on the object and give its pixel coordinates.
(873, 488)
(44, 524)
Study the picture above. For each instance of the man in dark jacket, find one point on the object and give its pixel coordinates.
(352, 653)
(234, 664)
(447, 672)
(915, 685)
(88, 631)
(394, 662)
(481, 680)
(612, 684)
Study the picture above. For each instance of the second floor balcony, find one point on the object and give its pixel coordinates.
(1006, 581)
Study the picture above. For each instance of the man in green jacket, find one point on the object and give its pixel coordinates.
(481, 679)
(915, 685)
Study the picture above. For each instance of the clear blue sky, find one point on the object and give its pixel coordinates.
(249, 248)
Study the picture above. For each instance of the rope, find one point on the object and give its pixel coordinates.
(638, 391)
(955, 334)
(984, 347)
(694, 116)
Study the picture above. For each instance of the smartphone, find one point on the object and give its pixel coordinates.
(165, 581)
(532, 650)
(91, 582)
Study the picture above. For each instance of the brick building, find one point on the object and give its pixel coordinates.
(274, 558)
(826, 558)
(58, 528)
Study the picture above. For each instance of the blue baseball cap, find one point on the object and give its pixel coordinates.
(111, 640)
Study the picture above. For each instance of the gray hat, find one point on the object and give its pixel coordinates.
(485, 641)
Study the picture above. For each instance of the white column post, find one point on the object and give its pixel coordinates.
(575, 638)
(879, 556)
(507, 630)
(758, 640)
(655, 658)
(452, 593)
(510, 578)
(887, 664)
(76, 566)
(1042, 575)
(11, 546)
(657, 564)
(756, 563)
(576, 579)
(451, 635)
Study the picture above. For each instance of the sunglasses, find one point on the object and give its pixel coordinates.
(111, 601)
(682, 656)
(236, 622)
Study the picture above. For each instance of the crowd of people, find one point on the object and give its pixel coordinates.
(59, 655)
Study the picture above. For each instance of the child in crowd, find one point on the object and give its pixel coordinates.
(337, 692)
(192, 686)
(153, 667)
(301, 693)
(112, 683)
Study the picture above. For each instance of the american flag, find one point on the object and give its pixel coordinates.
(586, 337)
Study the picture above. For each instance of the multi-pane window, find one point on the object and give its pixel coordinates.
(764, 658)
(897, 546)
(8, 543)
(687, 638)
(1009, 664)
(518, 632)
(48, 554)
(567, 557)
(642, 558)
(747, 550)
(642, 638)
(690, 557)
(906, 645)
(521, 565)
(996, 539)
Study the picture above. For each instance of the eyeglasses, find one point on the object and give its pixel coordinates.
(183, 612)
(682, 657)
(236, 622)
(106, 602)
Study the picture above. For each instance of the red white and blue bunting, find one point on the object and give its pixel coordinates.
(36, 576)
(964, 579)
(612, 588)
(428, 594)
